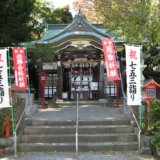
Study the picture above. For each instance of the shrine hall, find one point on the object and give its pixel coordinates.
(79, 62)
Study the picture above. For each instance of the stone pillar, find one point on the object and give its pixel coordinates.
(60, 80)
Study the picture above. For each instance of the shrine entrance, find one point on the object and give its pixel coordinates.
(81, 76)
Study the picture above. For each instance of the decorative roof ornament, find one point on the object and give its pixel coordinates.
(79, 10)
(80, 14)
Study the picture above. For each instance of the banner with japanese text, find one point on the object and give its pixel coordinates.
(110, 60)
(133, 74)
(4, 88)
(19, 59)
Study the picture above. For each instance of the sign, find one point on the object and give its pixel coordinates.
(110, 60)
(19, 59)
(65, 95)
(94, 86)
(43, 78)
(133, 74)
(49, 66)
(4, 88)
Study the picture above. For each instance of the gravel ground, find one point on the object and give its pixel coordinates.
(82, 156)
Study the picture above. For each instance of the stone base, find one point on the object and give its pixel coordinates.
(59, 101)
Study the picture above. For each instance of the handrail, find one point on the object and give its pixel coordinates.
(17, 126)
(77, 125)
(135, 119)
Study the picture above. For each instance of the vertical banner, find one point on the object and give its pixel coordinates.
(4, 88)
(110, 59)
(19, 59)
(133, 69)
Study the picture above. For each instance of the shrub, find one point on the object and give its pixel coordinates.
(2, 124)
(155, 123)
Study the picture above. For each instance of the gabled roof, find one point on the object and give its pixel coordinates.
(61, 35)
(79, 26)
(150, 82)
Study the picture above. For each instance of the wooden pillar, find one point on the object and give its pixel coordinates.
(90, 80)
(81, 75)
(71, 82)
(39, 88)
(60, 80)
(101, 80)
(117, 92)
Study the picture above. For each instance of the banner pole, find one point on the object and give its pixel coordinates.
(9, 67)
(29, 91)
(119, 69)
(140, 108)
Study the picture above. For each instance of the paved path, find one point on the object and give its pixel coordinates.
(82, 156)
(86, 112)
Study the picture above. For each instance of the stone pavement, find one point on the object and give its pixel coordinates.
(86, 112)
(82, 156)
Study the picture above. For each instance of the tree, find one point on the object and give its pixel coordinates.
(14, 21)
(87, 7)
(137, 21)
(60, 16)
(40, 54)
(43, 13)
(24, 20)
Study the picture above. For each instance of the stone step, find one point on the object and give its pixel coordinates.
(106, 102)
(81, 138)
(34, 122)
(90, 102)
(112, 134)
(82, 147)
(88, 129)
(9, 151)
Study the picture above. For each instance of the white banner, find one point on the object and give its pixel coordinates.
(4, 88)
(133, 72)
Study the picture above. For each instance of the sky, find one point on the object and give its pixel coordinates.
(61, 3)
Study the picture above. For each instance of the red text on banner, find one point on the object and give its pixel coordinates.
(19, 59)
(110, 60)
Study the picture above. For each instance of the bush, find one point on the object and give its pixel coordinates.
(2, 124)
(155, 123)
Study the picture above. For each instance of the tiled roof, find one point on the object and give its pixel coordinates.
(79, 27)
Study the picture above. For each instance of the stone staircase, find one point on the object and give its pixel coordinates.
(94, 135)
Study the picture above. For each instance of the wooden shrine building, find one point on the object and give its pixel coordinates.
(79, 64)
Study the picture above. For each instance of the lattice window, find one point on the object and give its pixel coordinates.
(50, 88)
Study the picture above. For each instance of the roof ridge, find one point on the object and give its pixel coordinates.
(79, 18)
